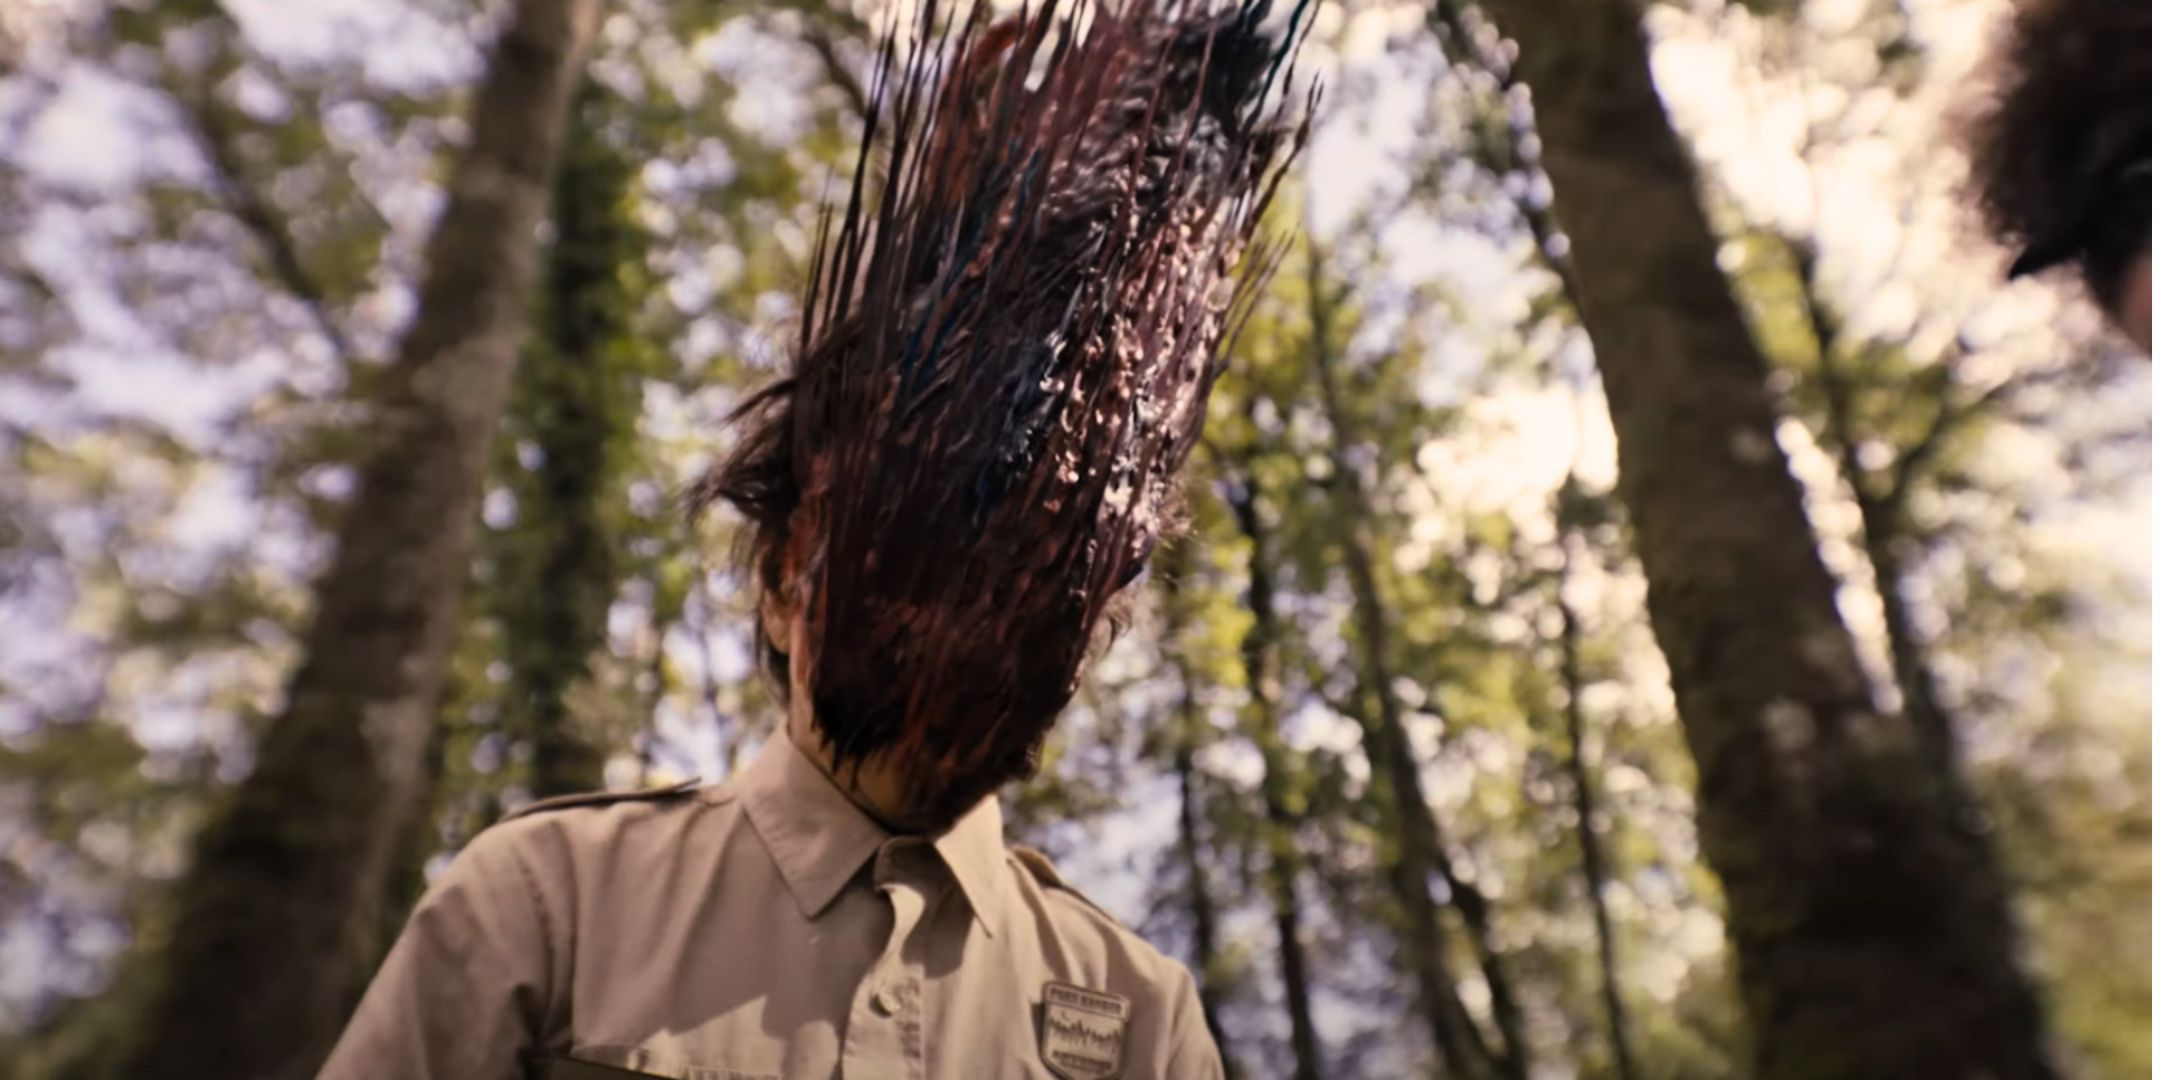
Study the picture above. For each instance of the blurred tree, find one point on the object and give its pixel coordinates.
(1873, 934)
(1891, 423)
(1187, 733)
(235, 235)
(1282, 807)
(264, 950)
(257, 247)
(1905, 433)
(567, 441)
(1913, 414)
(1573, 508)
(1419, 859)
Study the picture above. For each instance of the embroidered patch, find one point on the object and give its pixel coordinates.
(1083, 1032)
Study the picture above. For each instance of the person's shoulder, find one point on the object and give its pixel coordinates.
(1036, 869)
(564, 825)
(1081, 920)
(637, 801)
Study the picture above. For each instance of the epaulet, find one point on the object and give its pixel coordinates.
(602, 798)
(1039, 866)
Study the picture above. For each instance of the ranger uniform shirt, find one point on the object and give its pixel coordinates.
(765, 929)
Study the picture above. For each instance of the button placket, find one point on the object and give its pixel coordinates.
(884, 1035)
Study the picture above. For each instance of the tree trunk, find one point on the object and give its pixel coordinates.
(576, 403)
(272, 922)
(1185, 737)
(1872, 935)
(1206, 948)
(1419, 855)
(1919, 692)
(1258, 654)
(1595, 874)
(1881, 514)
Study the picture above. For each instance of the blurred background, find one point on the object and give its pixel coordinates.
(212, 222)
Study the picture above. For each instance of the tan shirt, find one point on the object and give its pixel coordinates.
(765, 929)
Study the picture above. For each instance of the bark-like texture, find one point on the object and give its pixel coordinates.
(1595, 871)
(1417, 855)
(575, 402)
(274, 919)
(1263, 680)
(1207, 936)
(1872, 934)
(1185, 739)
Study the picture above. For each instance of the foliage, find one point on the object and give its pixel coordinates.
(188, 312)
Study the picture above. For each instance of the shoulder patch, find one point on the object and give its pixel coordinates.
(1040, 867)
(602, 798)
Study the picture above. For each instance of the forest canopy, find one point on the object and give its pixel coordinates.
(1420, 750)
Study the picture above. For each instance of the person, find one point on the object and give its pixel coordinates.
(1004, 360)
(2062, 149)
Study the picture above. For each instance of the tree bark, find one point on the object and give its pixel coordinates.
(1872, 935)
(1419, 854)
(1185, 738)
(575, 400)
(1206, 939)
(1257, 653)
(272, 922)
(1595, 874)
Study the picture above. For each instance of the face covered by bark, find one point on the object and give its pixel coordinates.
(1006, 355)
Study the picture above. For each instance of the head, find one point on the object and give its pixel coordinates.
(1006, 353)
(2062, 149)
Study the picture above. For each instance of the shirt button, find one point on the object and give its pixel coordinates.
(885, 1002)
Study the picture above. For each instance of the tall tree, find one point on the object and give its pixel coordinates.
(1872, 932)
(565, 447)
(268, 945)
(1419, 856)
(1883, 508)
(1861, 395)
(1187, 735)
(1570, 506)
(1258, 654)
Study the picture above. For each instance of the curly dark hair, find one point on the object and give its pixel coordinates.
(1006, 353)
(2061, 145)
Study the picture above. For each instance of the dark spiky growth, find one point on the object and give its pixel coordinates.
(2061, 146)
(1006, 352)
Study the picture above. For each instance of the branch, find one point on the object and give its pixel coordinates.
(1824, 328)
(261, 219)
(843, 77)
(832, 13)
(824, 22)
(1949, 419)
(1823, 324)
(1950, 415)
(1452, 20)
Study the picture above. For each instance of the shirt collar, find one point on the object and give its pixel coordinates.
(974, 849)
(819, 838)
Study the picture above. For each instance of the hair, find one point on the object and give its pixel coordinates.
(2058, 139)
(757, 479)
(1005, 359)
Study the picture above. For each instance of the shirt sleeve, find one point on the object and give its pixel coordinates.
(1193, 1053)
(464, 993)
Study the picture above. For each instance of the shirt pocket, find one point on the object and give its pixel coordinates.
(626, 1062)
